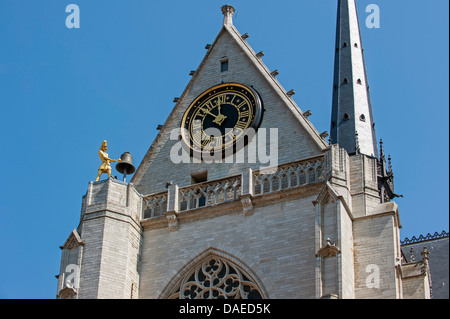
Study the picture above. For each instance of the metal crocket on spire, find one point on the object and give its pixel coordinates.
(352, 124)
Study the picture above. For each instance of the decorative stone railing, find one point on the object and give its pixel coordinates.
(209, 193)
(289, 175)
(154, 205)
(244, 187)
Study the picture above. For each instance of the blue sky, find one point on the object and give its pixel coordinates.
(63, 91)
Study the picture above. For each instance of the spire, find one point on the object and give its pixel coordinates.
(351, 117)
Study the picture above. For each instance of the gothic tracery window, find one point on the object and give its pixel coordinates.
(217, 278)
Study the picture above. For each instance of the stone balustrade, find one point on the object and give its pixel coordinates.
(221, 191)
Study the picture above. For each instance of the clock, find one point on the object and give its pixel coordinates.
(220, 119)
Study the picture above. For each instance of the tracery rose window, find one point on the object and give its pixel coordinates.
(216, 278)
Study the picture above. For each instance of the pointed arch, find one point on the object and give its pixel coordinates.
(214, 274)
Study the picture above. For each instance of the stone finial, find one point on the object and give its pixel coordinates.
(425, 254)
(412, 257)
(228, 12)
(389, 164)
(329, 250)
(381, 150)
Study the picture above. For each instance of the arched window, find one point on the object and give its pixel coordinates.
(258, 188)
(302, 177)
(216, 278)
(311, 175)
(266, 185)
(284, 181)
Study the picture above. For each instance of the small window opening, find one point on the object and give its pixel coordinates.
(196, 178)
(223, 65)
(345, 80)
(362, 118)
(356, 45)
(346, 117)
(199, 177)
(359, 81)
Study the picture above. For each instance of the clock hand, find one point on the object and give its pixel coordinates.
(208, 112)
(218, 119)
(218, 108)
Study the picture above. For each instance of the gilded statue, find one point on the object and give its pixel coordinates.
(105, 167)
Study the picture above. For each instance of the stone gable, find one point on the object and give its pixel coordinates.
(297, 138)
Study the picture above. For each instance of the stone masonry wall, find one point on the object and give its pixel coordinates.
(111, 234)
(276, 243)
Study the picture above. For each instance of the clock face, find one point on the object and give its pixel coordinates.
(220, 118)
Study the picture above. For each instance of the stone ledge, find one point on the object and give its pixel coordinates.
(105, 213)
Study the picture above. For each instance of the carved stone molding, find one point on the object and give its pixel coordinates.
(247, 204)
(68, 292)
(73, 241)
(329, 250)
(173, 221)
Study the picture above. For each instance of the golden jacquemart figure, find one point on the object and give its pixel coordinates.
(105, 167)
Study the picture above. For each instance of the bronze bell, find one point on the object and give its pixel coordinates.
(125, 166)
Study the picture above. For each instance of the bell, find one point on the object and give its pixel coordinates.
(125, 166)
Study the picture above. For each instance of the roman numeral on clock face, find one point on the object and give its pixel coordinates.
(197, 136)
(241, 104)
(221, 99)
(240, 125)
(244, 114)
(218, 141)
(197, 125)
(206, 142)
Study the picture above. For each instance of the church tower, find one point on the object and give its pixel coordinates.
(280, 214)
(352, 124)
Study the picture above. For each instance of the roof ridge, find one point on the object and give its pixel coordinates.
(422, 238)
